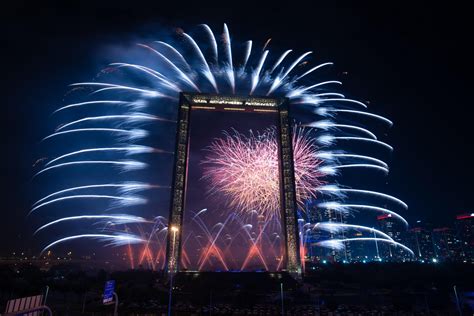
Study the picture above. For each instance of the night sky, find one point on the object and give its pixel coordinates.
(410, 62)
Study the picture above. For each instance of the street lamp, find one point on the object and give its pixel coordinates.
(174, 229)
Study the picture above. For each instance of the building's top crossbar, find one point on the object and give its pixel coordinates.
(233, 100)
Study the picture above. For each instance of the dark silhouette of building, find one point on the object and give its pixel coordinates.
(447, 245)
(397, 231)
(317, 253)
(359, 250)
(465, 232)
(421, 241)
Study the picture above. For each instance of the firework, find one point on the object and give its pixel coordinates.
(122, 107)
(246, 170)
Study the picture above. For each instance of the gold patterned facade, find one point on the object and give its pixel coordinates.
(289, 195)
(177, 199)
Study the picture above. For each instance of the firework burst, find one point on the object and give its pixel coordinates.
(246, 170)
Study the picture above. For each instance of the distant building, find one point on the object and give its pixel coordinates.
(343, 255)
(465, 233)
(359, 251)
(397, 231)
(316, 253)
(447, 245)
(421, 242)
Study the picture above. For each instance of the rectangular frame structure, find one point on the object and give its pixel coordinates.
(188, 102)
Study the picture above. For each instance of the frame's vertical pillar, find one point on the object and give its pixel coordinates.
(289, 195)
(177, 196)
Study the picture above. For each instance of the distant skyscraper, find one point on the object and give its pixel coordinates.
(359, 251)
(345, 253)
(314, 252)
(465, 232)
(397, 231)
(447, 245)
(421, 242)
(320, 215)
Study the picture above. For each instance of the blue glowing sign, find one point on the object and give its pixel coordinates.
(109, 292)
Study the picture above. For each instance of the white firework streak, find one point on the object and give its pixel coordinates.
(129, 150)
(326, 125)
(333, 189)
(123, 200)
(126, 118)
(327, 111)
(116, 219)
(339, 227)
(331, 156)
(344, 207)
(122, 187)
(102, 102)
(126, 165)
(340, 243)
(129, 134)
(115, 240)
(333, 169)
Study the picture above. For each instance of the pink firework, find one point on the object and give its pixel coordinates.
(246, 170)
